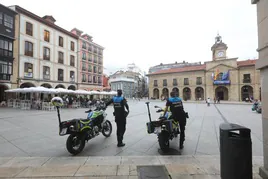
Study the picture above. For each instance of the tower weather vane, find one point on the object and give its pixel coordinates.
(218, 38)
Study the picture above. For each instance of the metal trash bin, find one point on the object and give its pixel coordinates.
(235, 152)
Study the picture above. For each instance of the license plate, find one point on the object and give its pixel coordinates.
(157, 130)
(63, 131)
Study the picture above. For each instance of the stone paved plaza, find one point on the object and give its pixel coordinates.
(35, 133)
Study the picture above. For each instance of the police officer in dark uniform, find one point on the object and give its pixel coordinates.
(120, 115)
(178, 114)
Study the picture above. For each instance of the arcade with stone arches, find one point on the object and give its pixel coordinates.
(222, 93)
(3, 95)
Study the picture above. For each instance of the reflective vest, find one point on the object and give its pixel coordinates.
(119, 108)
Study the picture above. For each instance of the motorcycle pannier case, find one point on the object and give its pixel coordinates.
(168, 124)
(151, 126)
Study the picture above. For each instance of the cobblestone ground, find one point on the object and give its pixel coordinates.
(35, 133)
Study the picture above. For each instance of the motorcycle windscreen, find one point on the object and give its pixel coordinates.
(89, 115)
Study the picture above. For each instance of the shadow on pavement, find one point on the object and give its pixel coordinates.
(171, 151)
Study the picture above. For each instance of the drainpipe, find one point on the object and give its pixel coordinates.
(18, 77)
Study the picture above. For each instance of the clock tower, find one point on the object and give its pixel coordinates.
(219, 49)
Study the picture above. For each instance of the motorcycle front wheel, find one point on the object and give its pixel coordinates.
(163, 140)
(107, 129)
(75, 144)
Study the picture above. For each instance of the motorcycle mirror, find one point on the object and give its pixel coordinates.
(156, 107)
(57, 101)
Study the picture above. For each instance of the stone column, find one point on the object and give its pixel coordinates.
(262, 64)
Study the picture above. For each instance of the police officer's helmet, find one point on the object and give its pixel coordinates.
(119, 92)
(57, 101)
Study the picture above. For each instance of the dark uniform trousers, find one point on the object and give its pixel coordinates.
(182, 122)
(121, 128)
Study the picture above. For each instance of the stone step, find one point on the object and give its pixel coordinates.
(188, 167)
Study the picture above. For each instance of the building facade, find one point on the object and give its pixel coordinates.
(47, 53)
(162, 66)
(90, 62)
(222, 77)
(105, 83)
(262, 65)
(7, 41)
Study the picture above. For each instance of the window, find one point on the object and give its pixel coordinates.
(29, 28)
(46, 35)
(198, 80)
(60, 41)
(95, 69)
(84, 56)
(28, 70)
(84, 45)
(84, 66)
(219, 77)
(60, 74)
(1, 17)
(100, 52)
(247, 78)
(46, 73)
(8, 21)
(84, 79)
(175, 82)
(72, 46)
(100, 72)
(72, 76)
(155, 83)
(100, 61)
(89, 78)
(89, 48)
(5, 70)
(89, 57)
(95, 59)
(99, 80)
(60, 59)
(28, 49)
(6, 48)
(46, 53)
(94, 79)
(72, 63)
(186, 81)
(89, 68)
(164, 82)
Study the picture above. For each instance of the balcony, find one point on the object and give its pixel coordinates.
(155, 85)
(90, 59)
(186, 83)
(60, 61)
(247, 80)
(89, 49)
(95, 61)
(89, 81)
(95, 51)
(46, 77)
(5, 77)
(94, 81)
(100, 72)
(72, 64)
(100, 62)
(60, 78)
(84, 46)
(84, 80)
(100, 53)
(164, 84)
(175, 84)
(84, 69)
(199, 83)
(89, 70)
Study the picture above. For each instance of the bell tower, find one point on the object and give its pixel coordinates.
(219, 49)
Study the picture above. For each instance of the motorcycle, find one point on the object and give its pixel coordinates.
(165, 127)
(82, 130)
(259, 108)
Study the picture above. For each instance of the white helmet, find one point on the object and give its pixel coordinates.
(57, 101)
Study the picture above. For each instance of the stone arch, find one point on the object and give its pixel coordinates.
(72, 87)
(60, 86)
(186, 93)
(176, 90)
(27, 85)
(246, 92)
(156, 93)
(3, 87)
(46, 85)
(199, 93)
(222, 93)
(165, 93)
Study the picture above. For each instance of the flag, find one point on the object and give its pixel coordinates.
(212, 76)
(225, 75)
(216, 74)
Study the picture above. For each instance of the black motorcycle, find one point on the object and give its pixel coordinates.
(82, 130)
(165, 127)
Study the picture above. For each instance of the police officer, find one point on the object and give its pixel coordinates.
(120, 116)
(178, 114)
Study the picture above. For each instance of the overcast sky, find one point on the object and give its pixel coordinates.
(148, 32)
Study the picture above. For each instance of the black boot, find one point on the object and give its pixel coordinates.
(121, 144)
(181, 145)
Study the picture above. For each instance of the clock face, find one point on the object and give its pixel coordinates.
(220, 54)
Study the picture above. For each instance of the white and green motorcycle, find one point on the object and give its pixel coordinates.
(82, 130)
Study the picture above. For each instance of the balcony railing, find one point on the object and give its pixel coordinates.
(199, 83)
(175, 84)
(95, 51)
(28, 75)
(46, 77)
(60, 61)
(5, 77)
(155, 85)
(89, 49)
(72, 64)
(95, 61)
(84, 69)
(164, 84)
(84, 46)
(248, 80)
(90, 59)
(186, 83)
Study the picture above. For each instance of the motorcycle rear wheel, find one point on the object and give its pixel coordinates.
(107, 126)
(163, 140)
(74, 141)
